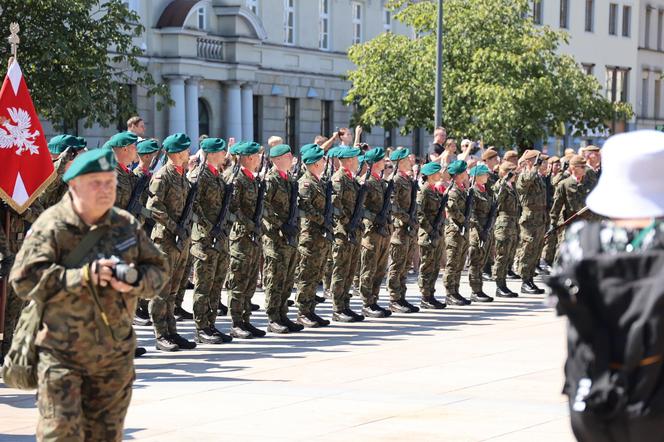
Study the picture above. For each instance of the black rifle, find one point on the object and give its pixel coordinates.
(328, 212)
(440, 214)
(260, 202)
(290, 227)
(358, 210)
(566, 223)
(219, 231)
(470, 202)
(412, 210)
(493, 212)
(134, 205)
(183, 229)
(383, 217)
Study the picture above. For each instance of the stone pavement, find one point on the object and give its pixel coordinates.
(489, 372)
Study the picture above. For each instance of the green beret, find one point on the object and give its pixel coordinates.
(279, 150)
(60, 143)
(478, 170)
(246, 148)
(399, 154)
(431, 168)
(82, 143)
(176, 143)
(374, 155)
(212, 145)
(147, 146)
(122, 139)
(97, 160)
(348, 152)
(306, 147)
(456, 167)
(312, 155)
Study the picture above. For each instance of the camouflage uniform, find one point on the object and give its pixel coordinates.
(210, 263)
(570, 197)
(244, 251)
(280, 257)
(313, 246)
(551, 243)
(186, 277)
(146, 221)
(168, 194)
(344, 252)
(491, 240)
(478, 254)
(431, 252)
(126, 181)
(506, 230)
(85, 368)
(592, 176)
(375, 247)
(402, 237)
(532, 195)
(456, 244)
(57, 189)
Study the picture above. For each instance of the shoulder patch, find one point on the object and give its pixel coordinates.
(126, 244)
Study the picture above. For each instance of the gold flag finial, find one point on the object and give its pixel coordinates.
(13, 39)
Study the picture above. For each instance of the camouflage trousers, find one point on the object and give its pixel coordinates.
(243, 277)
(477, 257)
(179, 294)
(13, 309)
(373, 266)
(531, 239)
(210, 268)
(506, 238)
(456, 248)
(80, 403)
(346, 257)
(397, 271)
(310, 268)
(550, 246)
(162, 306)
(278, 276)
(327, 272)
(430, 256)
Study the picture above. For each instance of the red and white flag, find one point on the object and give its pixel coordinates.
(26, 168)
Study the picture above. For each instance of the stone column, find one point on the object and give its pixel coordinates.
(233, 103)
(248, 112)
(176, 113)
(191, 99)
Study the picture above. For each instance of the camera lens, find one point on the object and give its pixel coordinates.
(126, 273)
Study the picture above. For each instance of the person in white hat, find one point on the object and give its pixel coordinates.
(609, 282)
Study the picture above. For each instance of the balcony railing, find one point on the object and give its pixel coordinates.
(210, 49)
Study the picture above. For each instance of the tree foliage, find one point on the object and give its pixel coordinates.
(503, 79)
(78, 57)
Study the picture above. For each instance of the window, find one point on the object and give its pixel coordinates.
(324, 40)
(590, 15)
(646, 42)
(588, 68)
(564, 14)
(203, 118)
(627, 21)
(289, 22)
(613, 19)
(258, 117)
(291, 121)
(658, 95)
(537, 12)
(387, 20)
(617, 83)
(326, 117)
(252, 5)
(644, 94)
(357, 22)
(201, 18)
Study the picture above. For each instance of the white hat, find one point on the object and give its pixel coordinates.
(632, 181)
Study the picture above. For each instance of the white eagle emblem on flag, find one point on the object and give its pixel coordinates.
(18, 134)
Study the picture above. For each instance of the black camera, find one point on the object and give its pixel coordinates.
(125, 272)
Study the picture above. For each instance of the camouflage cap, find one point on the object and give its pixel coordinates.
(97, 160)
(399, 154)
(212, 145)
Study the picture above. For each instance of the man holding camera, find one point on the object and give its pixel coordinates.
(76, 262)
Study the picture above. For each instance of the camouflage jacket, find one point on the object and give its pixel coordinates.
(400, 206)
(343, 199)
(243, 205)
(456, 207)
(374, 202)
(71, 320)
(428, 203)
(277, 203)
(126, 181)
(57, 189)
(570, 197)
(592, 176)
(508, 205)
(18, 225)
(557, 178)
(532, 196)
(481, 207)
(311, 201)
(168, 194)
(210, 199)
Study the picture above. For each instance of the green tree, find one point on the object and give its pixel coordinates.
(78, 57)
(502, 77)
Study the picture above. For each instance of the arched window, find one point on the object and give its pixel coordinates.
(203, 117)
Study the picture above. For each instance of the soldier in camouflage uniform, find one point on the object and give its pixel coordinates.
(63, 149)
(313, 245)
(280, 255)
(124, 148)
(85, 348)
(456, 239)
(375, 243)
(593, 163)
(243, 243)
(403, 234)
(506, 230)
(210, 255)
(532, 195)
(430, 239)
(479, 244)
(551, 243)
(168, 193)
(571, 193)
(492, 161)
(345, 253)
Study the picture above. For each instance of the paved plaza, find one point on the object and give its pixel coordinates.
(488, 372)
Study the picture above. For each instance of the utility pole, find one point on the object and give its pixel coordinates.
(438, 116)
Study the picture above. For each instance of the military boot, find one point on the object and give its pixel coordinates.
(457, 299)
(308, 320)
(181, 314)
(182, 342)
(224, 337)
(292, 326)
(222, 310)
(319, 299)
(413, 308)
(512, 275)
(206, 336)
(139, 351)
(342, 316)
(480, 297)
(358, 317)
(374, 311)
(165, 343)
(431, 303)
(530, 288)
(502, 291)
(239, 331)
(399, 307)
(255, 307)
(277, 327)
(255, 332)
